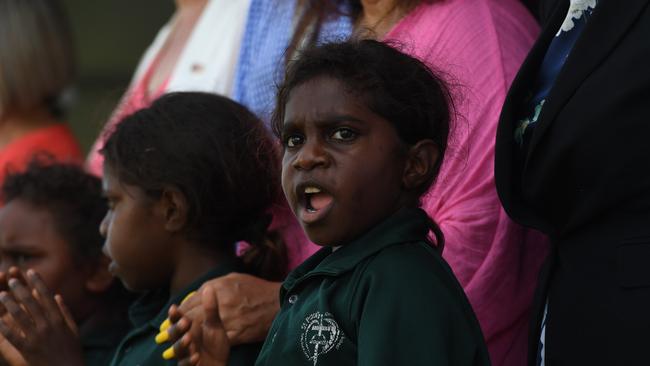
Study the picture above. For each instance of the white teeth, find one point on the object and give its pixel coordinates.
(312, 190)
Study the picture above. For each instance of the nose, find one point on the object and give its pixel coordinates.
(103, 226)
(311, 155)
(4, 265)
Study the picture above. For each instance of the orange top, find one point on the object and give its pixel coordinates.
(56, 140)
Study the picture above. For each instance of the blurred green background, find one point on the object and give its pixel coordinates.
(110, 36)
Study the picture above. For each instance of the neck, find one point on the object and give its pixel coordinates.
(379, 16)
(16, 124)
(193, 261)
(186, 4)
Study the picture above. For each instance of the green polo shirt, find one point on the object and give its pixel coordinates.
(139, 348)
(387, 298)
(101, 334)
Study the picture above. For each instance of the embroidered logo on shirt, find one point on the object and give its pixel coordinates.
(320, 334)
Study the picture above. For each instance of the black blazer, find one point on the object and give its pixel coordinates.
(585, 181)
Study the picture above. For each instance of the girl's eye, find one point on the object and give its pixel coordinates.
(344, 134)
(19, 259)
(111, 202)
(294, 140)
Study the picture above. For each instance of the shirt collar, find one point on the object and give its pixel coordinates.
(404, 226)
(156, 303)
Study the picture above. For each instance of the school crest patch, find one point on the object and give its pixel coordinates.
(320, 335)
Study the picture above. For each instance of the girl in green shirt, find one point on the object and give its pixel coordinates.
(364, 129)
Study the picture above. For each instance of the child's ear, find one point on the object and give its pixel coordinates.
(420, 163)
(100, 279)
(174, 208)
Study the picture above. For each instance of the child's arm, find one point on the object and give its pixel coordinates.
(38, 324)
(199, 339)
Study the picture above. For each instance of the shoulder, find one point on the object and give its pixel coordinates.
(474, 21)
(409, 287)
(466, 38)
(57, 141)
(414, 269)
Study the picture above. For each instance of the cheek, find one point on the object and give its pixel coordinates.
(287, 177)
(56, 271)
(377, 182)
(115, 234)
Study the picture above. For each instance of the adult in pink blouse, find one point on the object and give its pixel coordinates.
(479, 45)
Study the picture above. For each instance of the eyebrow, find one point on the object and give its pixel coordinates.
(21, 247)
(326, 121)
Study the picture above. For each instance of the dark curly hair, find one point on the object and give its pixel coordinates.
(400, 88)
(220, 156)
(72, 196)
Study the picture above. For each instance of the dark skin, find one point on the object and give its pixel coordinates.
(146, 239)
(250, 323)
(30, 239)
(140, 231)
(344, 170)
(37, 323)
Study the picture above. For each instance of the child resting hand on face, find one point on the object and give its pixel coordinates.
(49, 243)
(364, 129)
(186, 180)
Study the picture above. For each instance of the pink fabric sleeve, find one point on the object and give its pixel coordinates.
(478, 45)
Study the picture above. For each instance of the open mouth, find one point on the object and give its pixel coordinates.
(315, 203)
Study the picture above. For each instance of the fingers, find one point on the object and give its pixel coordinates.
(14, 272)
(177, 334)
(20, 317)
(174, 332)
(211, 307)
(67, 315)
(8, 327)
(24, 297)
(190, 301)
(192, 360)
(43, 293)
(187, 304)
(180, 349)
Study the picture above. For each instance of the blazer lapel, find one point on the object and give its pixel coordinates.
(505, 174)
(608, 24)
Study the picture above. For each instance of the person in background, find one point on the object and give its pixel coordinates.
(276, 31)
(571, 160)
(48, 230)
(36, 68)
(197, 50)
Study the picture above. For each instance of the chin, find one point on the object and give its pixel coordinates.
(133, 286)
(323, 237)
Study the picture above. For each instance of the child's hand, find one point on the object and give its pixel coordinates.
(38, 324)
(200, 340)
(247, 306)
(9, 356)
